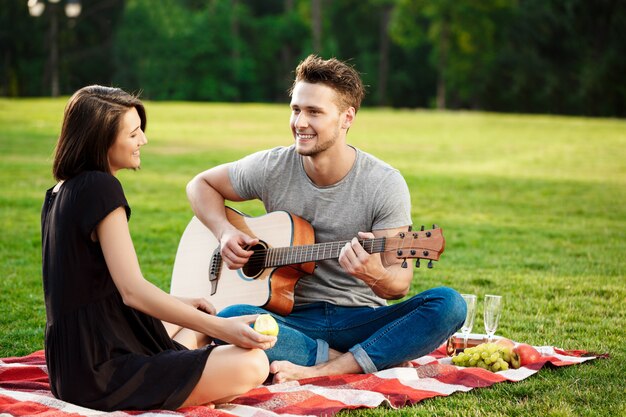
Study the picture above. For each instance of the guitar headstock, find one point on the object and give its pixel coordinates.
(423, 244)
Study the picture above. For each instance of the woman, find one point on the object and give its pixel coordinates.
(106, 347)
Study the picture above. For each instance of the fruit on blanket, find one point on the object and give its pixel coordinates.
(527, 354)
(503, 341)
(515, 362)
(497, 356)
(266, 324)
(490, 356)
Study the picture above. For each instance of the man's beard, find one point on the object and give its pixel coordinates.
(320, 147)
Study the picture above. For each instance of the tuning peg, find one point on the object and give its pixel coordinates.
(434, 226)
(430, 264)
(417, 263)
(422, 228)
(404, 264)
(410, 227)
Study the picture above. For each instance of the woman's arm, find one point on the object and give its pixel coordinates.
(138, 293)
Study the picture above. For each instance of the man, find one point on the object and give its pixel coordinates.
(341, 322)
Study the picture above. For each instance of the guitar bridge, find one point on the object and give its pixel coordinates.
(214, 269)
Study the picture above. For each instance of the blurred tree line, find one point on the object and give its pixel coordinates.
(531, 56)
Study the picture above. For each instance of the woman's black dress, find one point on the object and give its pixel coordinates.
(101, 353)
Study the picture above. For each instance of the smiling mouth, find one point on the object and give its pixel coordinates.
(304, 136)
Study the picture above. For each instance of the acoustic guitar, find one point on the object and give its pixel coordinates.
(286, 252)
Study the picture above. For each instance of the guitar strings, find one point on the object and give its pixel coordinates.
(301, 254)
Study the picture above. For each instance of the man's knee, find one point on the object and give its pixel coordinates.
(454, 308)
(450, 306)
(240, 310)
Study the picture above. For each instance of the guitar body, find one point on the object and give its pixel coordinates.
(286, 251)
(200, 272)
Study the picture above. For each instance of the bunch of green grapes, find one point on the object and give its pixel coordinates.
(489, 356)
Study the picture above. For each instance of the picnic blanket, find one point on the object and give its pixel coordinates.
(25, 391)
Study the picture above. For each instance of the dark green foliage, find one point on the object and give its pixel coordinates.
(85, 47)
(530, 56)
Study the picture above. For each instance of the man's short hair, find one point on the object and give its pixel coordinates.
(338, 75)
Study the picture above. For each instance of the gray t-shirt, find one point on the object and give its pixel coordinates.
(372, 196)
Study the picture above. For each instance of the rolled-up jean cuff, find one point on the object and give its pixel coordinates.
(363, 359)
(322, 351)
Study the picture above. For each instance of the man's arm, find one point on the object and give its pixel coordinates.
(207, 193)
(382, 272)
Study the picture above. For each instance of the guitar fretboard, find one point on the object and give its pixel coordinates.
(317, 252)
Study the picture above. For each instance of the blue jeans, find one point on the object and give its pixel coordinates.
(378, 337)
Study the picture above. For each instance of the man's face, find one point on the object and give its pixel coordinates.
(316, 121)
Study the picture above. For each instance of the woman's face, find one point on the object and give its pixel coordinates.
(124, 153)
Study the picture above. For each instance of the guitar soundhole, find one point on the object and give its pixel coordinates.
(256, 263)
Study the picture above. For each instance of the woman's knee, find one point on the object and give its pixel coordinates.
(229, 372)
(249, 366)
(257, 364)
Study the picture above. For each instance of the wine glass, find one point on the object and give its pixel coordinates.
(493, 308)
(470, 301)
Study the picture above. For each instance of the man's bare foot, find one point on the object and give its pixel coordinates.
(286, 371)
(333, 354)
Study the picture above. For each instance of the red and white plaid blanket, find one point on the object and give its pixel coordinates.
(24, 389)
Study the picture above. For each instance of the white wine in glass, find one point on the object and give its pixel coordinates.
(470, 301)
(493, 308)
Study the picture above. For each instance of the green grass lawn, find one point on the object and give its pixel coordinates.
(532, 207)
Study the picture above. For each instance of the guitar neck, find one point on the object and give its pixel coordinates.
(291, 255)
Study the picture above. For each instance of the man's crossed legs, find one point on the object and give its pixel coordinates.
(324, 339)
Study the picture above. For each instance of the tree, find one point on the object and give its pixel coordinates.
(462, 35)
(84, 46)
(384, 43)
(562, 56)
(549, 56)
(316, 24)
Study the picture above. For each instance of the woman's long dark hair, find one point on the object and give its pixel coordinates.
(91, 123)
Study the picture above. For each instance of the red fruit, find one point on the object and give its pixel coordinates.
(527, 354)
